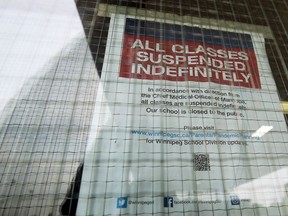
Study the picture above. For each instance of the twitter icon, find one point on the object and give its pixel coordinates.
(122, 202)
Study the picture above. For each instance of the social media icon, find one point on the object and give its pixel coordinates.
(235, 200)
(122, 202)
(168, 202)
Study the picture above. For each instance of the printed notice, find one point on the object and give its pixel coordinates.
(186, 118)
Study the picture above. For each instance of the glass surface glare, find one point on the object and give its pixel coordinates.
(143, 107)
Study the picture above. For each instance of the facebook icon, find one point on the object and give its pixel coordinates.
(168, 202)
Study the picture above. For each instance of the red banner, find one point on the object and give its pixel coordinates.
(158, 59)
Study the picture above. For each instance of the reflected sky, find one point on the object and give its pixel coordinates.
(31, 33)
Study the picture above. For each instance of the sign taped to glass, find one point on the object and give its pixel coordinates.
(175, 120)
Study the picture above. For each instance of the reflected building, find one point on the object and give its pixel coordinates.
(44, 129)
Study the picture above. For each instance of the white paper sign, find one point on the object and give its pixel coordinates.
(187, 119)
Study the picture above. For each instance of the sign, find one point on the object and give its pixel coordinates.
(185, 119)
(183, 53)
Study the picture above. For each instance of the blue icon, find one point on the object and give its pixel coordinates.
(168, 202)
(122, 202)
(235, 200)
